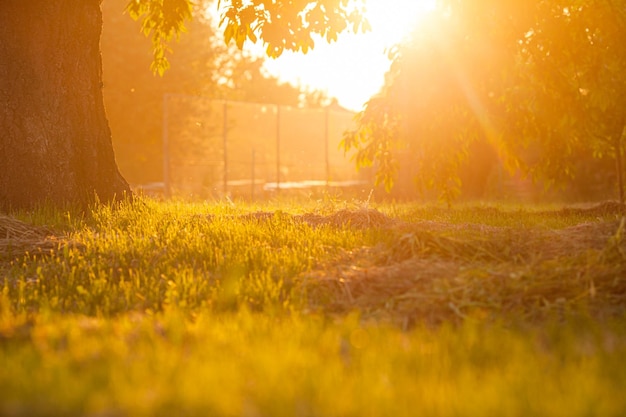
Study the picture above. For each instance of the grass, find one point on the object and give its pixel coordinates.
(319, 310)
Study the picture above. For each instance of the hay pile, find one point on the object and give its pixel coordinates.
(471, 241)
(18, 238)
(600, 209)
(433, 272)
(11, 228)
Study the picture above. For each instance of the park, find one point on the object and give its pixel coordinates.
(432, 286)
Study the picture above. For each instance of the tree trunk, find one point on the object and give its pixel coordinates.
(55, 141)
(619, 166)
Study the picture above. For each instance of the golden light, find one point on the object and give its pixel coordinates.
(353, 68)
(392, 20)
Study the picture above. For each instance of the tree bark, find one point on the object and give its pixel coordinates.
(619, 165)
(55, 141)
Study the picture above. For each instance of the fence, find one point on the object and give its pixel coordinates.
(216, 147)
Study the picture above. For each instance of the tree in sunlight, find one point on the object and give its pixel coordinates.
(538, 80)
(56, 143)
(439, 100)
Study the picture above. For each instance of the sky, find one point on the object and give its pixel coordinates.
(353, 68)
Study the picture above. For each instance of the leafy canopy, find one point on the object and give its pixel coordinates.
(289, 25)
(280, 25)
(162, 20)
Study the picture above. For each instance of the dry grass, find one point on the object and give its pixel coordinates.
(11, 228)
(434, 272)
(18, 238)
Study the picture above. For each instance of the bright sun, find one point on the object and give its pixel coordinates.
(353, 68)
(392, 20)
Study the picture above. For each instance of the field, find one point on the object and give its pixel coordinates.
(319, 309)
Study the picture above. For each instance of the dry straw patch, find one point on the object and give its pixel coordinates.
(433, 272)
(18, 238)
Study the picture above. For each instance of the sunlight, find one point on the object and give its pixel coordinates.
(392, 20)
(353, 68)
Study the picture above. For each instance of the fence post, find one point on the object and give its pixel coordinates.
(326, 144)
(225, 138)
(166, 151)
(277, 148)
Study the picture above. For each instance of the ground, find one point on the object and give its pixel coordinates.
(325, 308)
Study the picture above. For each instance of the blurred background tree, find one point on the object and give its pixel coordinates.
(201, 65)
(533, 86)
(573, 93)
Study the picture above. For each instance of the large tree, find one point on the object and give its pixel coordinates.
(55, 141)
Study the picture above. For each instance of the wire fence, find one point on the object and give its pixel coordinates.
(214, 148)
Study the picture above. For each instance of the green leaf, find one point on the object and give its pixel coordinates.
(229, 32)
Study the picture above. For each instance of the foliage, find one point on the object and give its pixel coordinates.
(525, 77)
(569, 94)
(280, 25)
(423, 106)
(144, 309)
(162, 20)
(289, 25)
(441, 94)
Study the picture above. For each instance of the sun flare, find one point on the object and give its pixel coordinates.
(392, 20)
